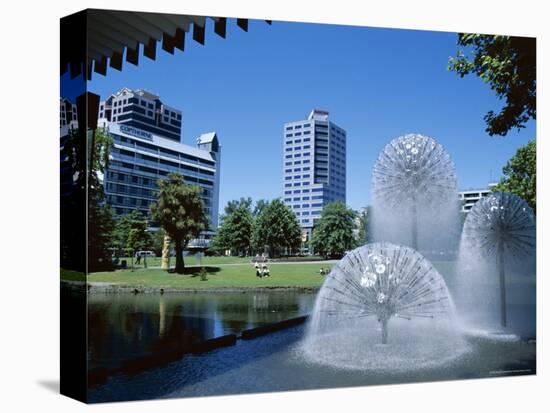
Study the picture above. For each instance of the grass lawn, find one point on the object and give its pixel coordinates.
(69, 275)
(191, 260)
(235, 276)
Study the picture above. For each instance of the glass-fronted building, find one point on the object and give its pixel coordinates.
(143, 110)
(139, 158)
(314, 162)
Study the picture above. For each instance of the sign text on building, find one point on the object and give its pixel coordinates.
(138, 133)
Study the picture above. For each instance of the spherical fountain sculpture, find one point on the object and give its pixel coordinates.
(497, 227)
(412, 172)
(365, 298)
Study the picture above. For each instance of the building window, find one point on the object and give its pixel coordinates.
(289, 128)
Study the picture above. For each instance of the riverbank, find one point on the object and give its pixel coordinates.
(222, 278)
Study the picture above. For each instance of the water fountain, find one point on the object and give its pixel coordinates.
(384, 308)
(414, 186)
(389, 307)
(500, 229)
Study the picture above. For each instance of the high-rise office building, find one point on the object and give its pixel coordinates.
(138, 159)
(314, 162)
(143, 110)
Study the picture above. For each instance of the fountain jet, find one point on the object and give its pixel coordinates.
(499, 226)
(382, 281)
(413, 173)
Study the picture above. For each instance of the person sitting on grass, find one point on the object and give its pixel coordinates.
(265, 271)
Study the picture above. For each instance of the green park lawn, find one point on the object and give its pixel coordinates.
(231, 276)
(192, 260)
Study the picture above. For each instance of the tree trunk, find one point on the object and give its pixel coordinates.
(180, 265)
(166, 253)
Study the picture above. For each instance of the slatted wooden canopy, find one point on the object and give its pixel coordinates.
(92, 40)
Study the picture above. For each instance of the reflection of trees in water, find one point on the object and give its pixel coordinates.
(137, 332)
(134, 326)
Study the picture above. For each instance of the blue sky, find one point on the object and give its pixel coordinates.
(376, 83)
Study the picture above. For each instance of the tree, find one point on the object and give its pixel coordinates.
(138, 238)
(235, 233)
(333, 234)
(276, 228)
(122, 229)
(508, 65)
(237, 203)
(85, 180)
(520, 175)
(261, 204)
(363, 235)
(180, 211)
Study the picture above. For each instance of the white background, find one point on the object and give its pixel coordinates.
(29, 285)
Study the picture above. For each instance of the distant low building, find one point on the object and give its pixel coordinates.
(470, 196)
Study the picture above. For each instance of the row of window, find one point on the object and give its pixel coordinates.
(298, 155)
(305, 168)
(298, 148)
(163, 151)
(298, 141)
(305, 125)
(288, 178)
(157, 172)
(290, 135)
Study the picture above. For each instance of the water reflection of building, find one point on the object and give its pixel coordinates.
(67, 113)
